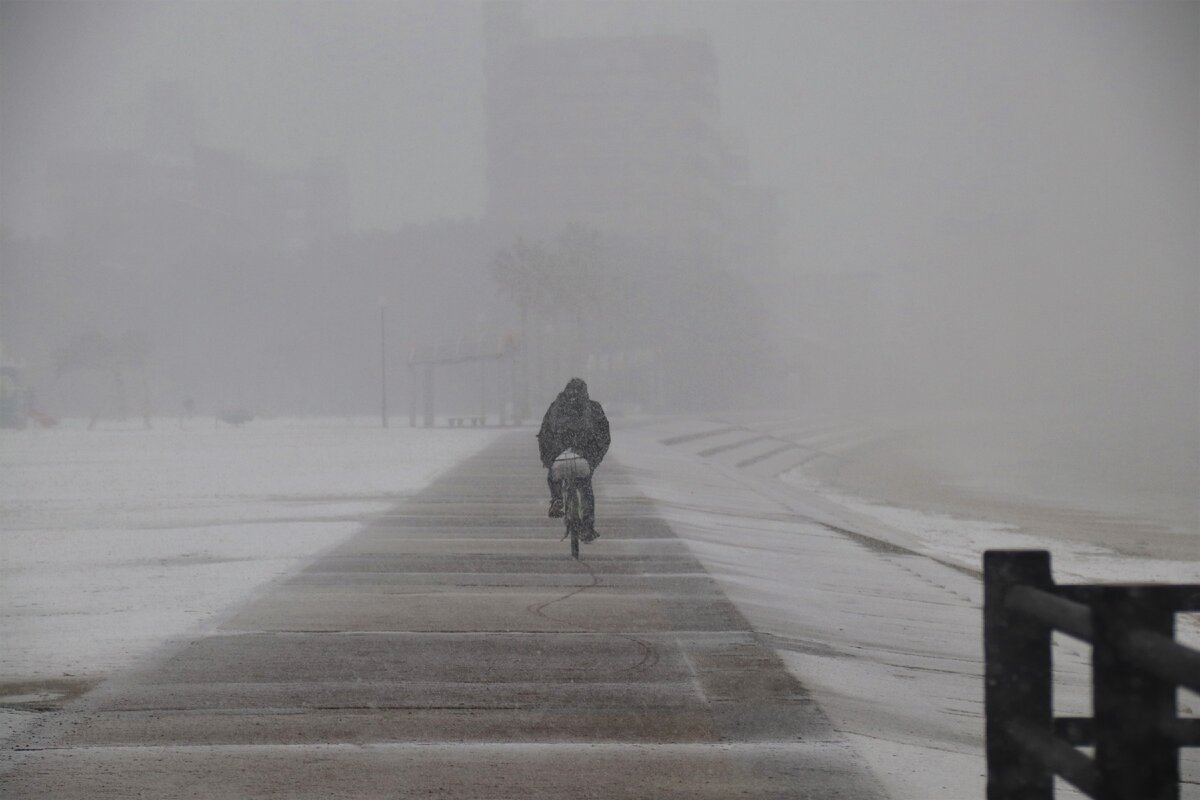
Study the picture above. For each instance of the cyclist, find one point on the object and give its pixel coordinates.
(574, 421)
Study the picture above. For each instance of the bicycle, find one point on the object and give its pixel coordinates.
(569, 471)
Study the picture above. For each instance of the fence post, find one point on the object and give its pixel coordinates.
(1017, 676)
(1135, 757)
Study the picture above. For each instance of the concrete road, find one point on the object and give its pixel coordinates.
(454, 649)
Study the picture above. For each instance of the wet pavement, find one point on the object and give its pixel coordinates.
(453, 648)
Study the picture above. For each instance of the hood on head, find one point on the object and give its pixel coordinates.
(576, 388)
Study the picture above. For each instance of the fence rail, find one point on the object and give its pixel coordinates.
(1137, 670)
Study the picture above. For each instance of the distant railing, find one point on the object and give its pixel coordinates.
(1137, 669)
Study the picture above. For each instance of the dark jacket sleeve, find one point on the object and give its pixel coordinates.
(600, 438)
(547, 441)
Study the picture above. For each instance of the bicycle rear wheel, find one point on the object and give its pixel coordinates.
(572, 514)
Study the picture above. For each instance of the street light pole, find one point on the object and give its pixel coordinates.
(383, 413)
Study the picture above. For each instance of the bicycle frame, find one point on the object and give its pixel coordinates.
(568, 470)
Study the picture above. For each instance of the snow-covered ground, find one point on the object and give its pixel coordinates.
(888, 641)
(116, 539)
(963, 541)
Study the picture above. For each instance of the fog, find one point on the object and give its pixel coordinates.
(980, 216)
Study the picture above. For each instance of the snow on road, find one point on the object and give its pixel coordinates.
(116, 539)
(889, 640)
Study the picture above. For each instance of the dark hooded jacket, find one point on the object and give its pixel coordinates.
(574, 421)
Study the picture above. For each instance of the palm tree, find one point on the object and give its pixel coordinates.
(574, 284)
(524, 273)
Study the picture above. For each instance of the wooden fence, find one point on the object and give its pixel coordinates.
(1137, 669)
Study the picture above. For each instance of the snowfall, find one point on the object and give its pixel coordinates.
(119, 540)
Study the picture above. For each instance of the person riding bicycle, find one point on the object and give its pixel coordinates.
(574, 422)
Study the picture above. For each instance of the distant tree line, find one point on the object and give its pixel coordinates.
(663, 332)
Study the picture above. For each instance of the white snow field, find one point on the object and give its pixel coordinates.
(116, 539)
(889, 640)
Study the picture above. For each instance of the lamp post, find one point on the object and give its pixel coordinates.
(383, 414)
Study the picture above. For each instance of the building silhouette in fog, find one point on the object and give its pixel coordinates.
(201, 252)
(621, 134)
(137, 207)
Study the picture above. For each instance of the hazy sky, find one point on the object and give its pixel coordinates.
(1025, 174)
(393, 89)
(852, 108)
